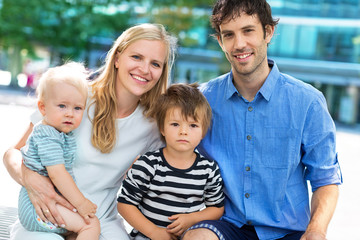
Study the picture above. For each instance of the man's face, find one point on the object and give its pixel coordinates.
(243, 42)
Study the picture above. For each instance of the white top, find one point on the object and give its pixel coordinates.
(99, 175)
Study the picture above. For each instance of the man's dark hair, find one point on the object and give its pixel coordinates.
(226, 10)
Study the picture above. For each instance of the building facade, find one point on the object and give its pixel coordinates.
(318, 41)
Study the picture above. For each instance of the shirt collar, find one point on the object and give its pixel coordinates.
(267, 88)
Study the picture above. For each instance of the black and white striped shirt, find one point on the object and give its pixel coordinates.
(160, 190)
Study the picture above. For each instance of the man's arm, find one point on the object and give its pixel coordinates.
(323, 203)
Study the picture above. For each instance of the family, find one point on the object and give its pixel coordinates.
(229, 159)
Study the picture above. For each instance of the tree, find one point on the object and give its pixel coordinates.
(64, 26)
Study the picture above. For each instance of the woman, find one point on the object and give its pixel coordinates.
(114, 131)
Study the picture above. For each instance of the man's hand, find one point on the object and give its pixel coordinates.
(43, 196)
(313, 236)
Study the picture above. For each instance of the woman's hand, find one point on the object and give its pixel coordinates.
(43, 196)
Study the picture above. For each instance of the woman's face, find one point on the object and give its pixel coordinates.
(140, 66)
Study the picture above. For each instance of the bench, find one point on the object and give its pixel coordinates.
(8, 216)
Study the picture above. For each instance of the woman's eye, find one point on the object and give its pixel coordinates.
(135, 57)
(156, 65)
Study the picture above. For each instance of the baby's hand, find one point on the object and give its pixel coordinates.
(87, 210)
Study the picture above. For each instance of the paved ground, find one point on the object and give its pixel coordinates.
(16, 109)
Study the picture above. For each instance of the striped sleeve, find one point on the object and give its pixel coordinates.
(137, 181)
(214, 195)
(50, 146)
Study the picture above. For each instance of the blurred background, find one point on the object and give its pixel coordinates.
(317, 41)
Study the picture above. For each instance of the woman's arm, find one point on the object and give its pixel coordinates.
(12, 158)
(40, 189)
(66, 185)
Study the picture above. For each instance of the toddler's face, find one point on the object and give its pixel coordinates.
(181, 134)
(63, 107)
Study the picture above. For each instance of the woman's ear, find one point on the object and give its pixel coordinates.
(116, 62)
(41, 107)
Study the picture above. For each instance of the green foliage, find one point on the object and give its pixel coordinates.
(66, 27)
(63, 25)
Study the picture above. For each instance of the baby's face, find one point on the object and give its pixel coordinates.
(63, 107)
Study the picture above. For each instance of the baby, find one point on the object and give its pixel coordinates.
(50, 151)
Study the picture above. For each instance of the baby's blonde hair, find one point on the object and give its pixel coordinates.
(72, 73)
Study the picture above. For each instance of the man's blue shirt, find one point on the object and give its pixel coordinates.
(267, 149)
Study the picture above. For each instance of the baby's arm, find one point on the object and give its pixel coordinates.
(67, 187)
(181, 222)
(137, 220)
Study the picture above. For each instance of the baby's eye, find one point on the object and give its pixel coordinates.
(78, 108)
(194, 125)
(174, 124)
(61, 106)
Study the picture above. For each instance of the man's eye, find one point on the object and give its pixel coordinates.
(227, 35)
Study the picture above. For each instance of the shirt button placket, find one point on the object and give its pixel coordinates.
(249, 148)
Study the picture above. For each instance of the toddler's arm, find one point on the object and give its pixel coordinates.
(67, 187)
(181, 222)
(137, 220)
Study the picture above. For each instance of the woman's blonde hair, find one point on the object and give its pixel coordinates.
(104, 87)
(72, 73)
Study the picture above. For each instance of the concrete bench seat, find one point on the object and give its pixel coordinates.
(8, 216)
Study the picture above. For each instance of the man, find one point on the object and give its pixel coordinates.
(270, 134)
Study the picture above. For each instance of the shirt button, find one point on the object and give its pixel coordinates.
(247, 168)
(247, 195)
(249, 222)
(248, 137)
(250, 109)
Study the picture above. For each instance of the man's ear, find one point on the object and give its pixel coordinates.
(41, 107)
(269, 33)
(220, 42)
